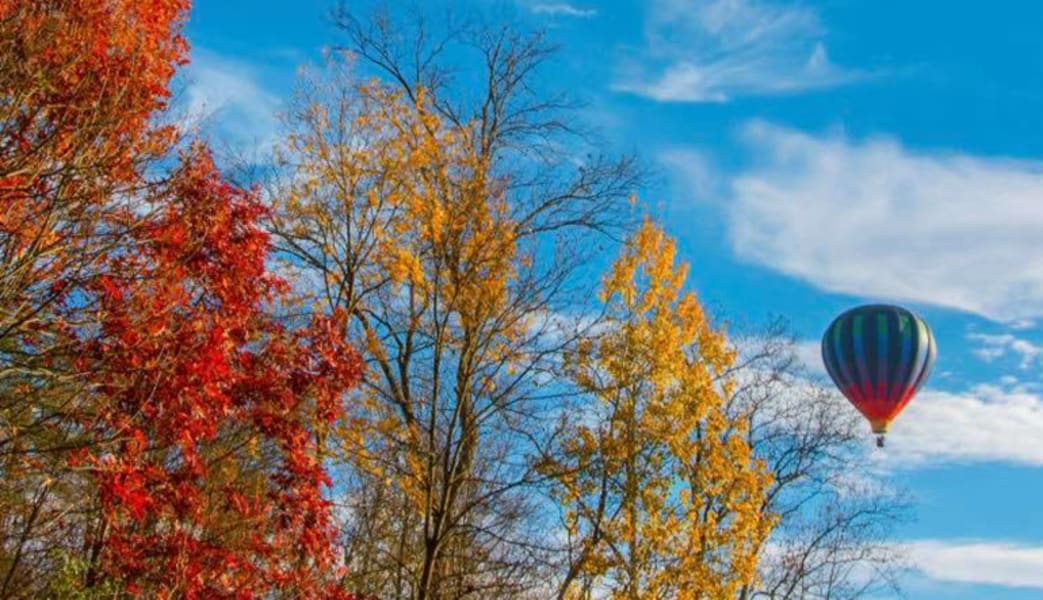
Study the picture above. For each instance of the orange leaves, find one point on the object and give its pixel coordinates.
(89, 72)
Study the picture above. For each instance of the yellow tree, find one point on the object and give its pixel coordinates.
(662, 496)
(394, 216)
(451, 223)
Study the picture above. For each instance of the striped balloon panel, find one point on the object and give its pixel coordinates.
(878, 356)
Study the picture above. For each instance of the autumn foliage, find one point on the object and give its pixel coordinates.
(182, 410)
(80, 82)
(159, 421)
(82, 79)
(661, 487)
(195, 382)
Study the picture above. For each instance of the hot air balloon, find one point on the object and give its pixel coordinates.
(879, 356)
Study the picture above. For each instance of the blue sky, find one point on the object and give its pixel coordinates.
(813, 156)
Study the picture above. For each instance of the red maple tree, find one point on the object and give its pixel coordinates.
(149, 373)
(188, 360)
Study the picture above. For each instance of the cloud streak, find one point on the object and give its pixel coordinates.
(225, 97)
(875, 219)
(994, 346)
(978, 562)
(562, 9)
(714, 51)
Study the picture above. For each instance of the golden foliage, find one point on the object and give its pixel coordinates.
(395, 209)
(662, 492)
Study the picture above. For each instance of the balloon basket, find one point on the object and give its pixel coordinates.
(879, 441)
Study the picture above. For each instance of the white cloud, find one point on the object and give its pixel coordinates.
(1009, 380)
(988, 423)
(700, 178)
(225, 97)
(1022, 324)
(983, 562)
(809, 353)
(714, 50)
(874, 219)
(989, 353)
(562, 9)
(995, 346)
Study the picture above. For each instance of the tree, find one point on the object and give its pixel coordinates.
(834, 535)
(661, 494)
(424, 256)
(79, 83)
(207, 408)
(160, 426)
(452, 243)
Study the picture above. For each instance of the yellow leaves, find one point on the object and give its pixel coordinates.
(374, 345)
(688, 491)
(386, 176)
(397, 212)
(403, 265)
(414, 482)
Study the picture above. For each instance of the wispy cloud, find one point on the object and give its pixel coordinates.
(715, 50)
(224, 97)
(809, 353)
(562, 9)
(993, 346)
(874, 219)
(978, 562)
(700, 176)
(1022, 324)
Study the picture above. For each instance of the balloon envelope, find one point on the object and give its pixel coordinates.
(878, 355)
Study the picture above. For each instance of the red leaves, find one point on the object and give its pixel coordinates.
(99, 70)
(191, 359)
(199, 411)
(127, 489)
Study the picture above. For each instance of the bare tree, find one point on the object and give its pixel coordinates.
(836, 513)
